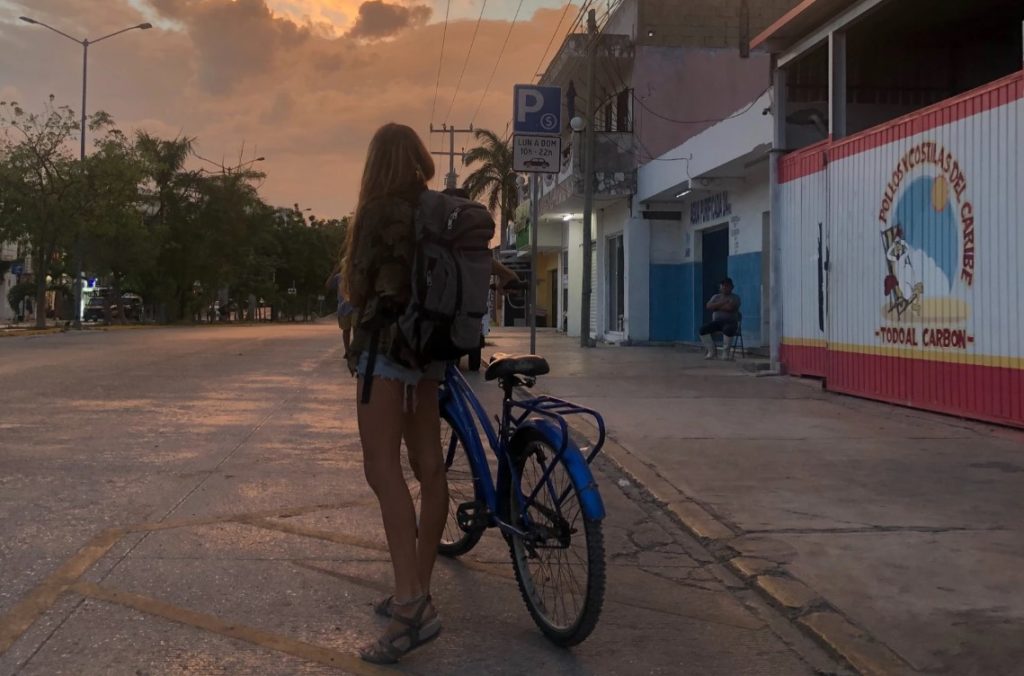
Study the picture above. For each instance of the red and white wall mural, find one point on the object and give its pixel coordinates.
(902, 251)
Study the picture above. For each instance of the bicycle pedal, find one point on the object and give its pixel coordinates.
(472, 516)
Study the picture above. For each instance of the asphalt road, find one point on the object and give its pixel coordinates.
(192, 501)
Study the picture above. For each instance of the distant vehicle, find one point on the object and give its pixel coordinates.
(95, 310)
(537, 162)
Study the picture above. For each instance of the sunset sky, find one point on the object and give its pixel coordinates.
(302, 82)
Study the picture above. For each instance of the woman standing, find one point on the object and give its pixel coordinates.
(403, 400)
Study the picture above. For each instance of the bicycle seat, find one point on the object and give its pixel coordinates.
(504, 365)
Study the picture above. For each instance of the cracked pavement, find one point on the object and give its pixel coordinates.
(905, 525)
(191, 501)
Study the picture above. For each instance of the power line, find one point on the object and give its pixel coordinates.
(465, 63)
(709, 121)
(547, 49)
(490, 80)
(440, 61)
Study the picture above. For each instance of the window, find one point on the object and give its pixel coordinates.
(616, 115)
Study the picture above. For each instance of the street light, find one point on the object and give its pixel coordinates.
(85, 42)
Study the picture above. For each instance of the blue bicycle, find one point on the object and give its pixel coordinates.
(545, 500)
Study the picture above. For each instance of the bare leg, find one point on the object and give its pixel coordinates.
(380, 430)
(423, 439)
(346, 339)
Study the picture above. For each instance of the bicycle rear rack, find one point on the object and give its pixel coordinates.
(556, 409)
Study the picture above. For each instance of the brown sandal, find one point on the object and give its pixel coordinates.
(389, 648)
(383, 607)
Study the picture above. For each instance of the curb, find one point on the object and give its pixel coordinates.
(799, 602)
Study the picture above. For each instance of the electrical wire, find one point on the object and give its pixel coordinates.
(465, 64)
(440, 61)
(738, 113)
(497, 63)
(554, 35)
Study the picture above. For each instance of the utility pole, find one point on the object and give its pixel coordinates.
(534, 226)
(588, 180)
(77, 245)
(451, 179)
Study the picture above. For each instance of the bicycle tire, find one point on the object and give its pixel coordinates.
(575, 627)
(461, 477)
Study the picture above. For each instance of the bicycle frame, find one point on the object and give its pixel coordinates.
(546, 416)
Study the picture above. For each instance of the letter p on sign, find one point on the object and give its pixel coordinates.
(538, 110)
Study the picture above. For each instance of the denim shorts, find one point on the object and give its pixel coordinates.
(390, 370)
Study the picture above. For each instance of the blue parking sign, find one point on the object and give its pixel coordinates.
(537, 110)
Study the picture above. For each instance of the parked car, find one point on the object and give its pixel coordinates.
(95, 310)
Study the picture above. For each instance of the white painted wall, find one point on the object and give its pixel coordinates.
(637, 241)
(712, 148)
(574, 243)
(7, 281)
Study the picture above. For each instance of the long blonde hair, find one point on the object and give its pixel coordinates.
(397, 162)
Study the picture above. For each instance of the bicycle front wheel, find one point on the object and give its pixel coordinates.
(559, 559)
(455, 540)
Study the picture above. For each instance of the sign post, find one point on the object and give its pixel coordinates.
(536, 149)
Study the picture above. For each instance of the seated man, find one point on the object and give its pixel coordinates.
(725, 317)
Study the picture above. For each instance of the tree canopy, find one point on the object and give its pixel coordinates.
(143, 222)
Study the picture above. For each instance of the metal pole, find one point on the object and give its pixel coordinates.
(778, 76)
(450, 181)
(588, 182)
(534, 226)
(77, 286)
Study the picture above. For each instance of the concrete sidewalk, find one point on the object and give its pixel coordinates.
(895, 537)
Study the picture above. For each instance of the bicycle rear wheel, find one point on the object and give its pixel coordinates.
(559, 561)
(455, 540)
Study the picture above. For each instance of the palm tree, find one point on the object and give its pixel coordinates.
(495, 177)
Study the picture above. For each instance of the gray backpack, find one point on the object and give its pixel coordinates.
(450, 278)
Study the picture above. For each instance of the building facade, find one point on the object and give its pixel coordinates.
(651, 58)
(899, 202)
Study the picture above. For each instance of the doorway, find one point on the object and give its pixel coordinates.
(553, 290)
(715, 263)
(616, 272)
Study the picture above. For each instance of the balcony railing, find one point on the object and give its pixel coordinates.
(614, 171)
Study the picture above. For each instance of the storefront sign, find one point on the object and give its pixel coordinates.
(927, 229)
(710, 209)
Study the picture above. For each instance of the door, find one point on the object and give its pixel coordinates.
(616, 278)
(553, 290)
(714, 264)
(593, 287)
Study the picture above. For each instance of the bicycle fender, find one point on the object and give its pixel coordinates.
(575, 463)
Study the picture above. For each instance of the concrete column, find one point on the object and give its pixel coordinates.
(637, 242)
(574, 240)
(775, 271)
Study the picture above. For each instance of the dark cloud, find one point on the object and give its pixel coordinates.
(378, 19)
(242, 73)
(234, 40)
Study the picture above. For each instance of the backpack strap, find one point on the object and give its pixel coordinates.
(371, 364)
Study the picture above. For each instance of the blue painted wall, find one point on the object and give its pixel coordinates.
(674, 315)
(677, 301)
(745, 271)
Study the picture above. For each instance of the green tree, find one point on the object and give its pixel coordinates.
(170, 197)
(495, 178)
(38, 179)
(118, 244)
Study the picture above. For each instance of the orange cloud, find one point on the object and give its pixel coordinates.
(234, 72)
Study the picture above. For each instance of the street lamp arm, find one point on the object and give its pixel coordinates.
(141, 26)
(58, 32)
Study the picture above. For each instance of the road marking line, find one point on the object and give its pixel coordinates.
(213, 624)
(17, 621)
(270, 513)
